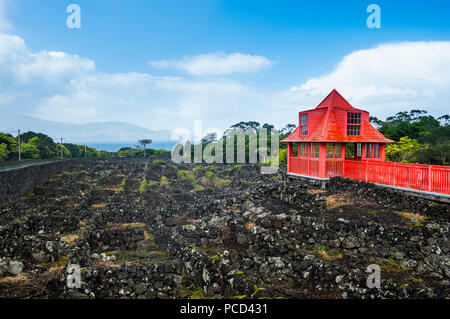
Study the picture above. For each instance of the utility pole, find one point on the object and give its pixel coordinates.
(61, 148)
(18, 136)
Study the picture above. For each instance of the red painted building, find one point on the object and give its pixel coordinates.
(336, 139)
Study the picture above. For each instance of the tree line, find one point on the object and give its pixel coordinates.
(40, 146)
(420, 138)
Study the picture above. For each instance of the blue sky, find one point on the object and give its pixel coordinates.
(296, 48)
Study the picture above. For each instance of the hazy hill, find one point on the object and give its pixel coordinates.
(89, 132)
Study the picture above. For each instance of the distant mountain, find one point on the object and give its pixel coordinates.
(81, 133)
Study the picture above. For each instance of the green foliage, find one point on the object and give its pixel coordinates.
(10, 148)
(438, 140)
(4, 152)
(143, 186)
(209, 174)
(185, 175)
(428, 138)
(29, 151)
(406, 151)
(283, 156)
(235, 168)
(158, 162)
(191, 292)
(210, 179)
(164, 182)
(130, 152)
(122, 185)
(137, 152)
(77, 151)
(46, 146)
(413, 124)
(154, 152)
(66, 152)
(320, 248)
(40, 146)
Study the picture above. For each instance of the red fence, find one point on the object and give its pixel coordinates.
(431, 178)
(304, 166)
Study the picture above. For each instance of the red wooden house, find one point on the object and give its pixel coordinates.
(336, 139)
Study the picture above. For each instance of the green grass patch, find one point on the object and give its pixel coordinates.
(320, 248)
(191, 292)
(143, 186)
(164, 181)
(236, 168)
(59, 263)
(212, 180)
(122, 185)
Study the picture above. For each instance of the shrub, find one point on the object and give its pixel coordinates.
(143, 186)
(164, 182)
(3, 152)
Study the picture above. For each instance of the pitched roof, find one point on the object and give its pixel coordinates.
(331, 126)
(334, 99)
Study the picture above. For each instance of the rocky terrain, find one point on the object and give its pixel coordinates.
(153, 229)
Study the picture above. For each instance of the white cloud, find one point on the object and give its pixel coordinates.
(24, 66)
(386, 79)
(216, 64)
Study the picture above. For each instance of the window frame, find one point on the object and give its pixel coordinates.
(376, 151)
(315, 150)
(304, 129)
(337, 146)
(369, 150)
(353, 124)
(330, 150)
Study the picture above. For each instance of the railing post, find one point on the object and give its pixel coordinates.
(395, 174)
(429, 178)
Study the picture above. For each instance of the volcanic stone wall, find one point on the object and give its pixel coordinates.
(17, 182)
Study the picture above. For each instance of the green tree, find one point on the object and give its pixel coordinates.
(438, 140)
(407, 150)
(4, 152)
(287, 130)
(66, 152)
(11, 145)
(46, 146)
(130, 152)
(413, 124)
(29, 151)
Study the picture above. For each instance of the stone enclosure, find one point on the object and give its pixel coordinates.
(154, 229)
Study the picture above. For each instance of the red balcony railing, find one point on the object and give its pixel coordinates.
(431, 178)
